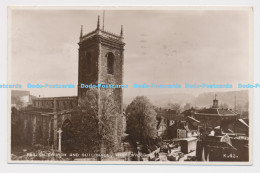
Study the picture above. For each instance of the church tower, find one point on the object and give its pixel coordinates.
(101, 59)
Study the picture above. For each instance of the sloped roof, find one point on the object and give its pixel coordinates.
(193, 119)
(170, 115)
(216, 112)
(225, 111)
(208, 111)
(188, 112)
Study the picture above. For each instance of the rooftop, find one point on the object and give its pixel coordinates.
(216, 112)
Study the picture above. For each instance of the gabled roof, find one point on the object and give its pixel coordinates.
(238, 126)
(193, 119)
(244, 121)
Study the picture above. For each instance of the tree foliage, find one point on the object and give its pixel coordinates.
(97, 128)
(223, 106)
(141, 120)
(187, 106)
(175, 106)
(17, 101)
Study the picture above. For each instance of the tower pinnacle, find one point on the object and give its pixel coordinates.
(98, 24)
(121, 33)
(81, 32)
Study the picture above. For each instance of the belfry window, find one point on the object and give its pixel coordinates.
(110, 63)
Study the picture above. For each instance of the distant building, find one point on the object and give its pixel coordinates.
(222, 148)
(212, 117)
(183, 129)
(173, 125)
(21, 98)
(166, 118)
(187, 144)
(224, 135)
(239, 127)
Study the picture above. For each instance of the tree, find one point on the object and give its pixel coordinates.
(187, 106)
(98, 122)
(223, 106)
(17, 101)
(175, 106)
(141, 120)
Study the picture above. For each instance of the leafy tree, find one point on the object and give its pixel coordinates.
(224, 106)
(17, 100)
(141, 120)
(98, 121)
(187, 106)
(175, 106)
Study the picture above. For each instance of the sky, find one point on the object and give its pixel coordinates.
(166, 46)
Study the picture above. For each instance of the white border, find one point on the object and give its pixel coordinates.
(70, 168)
(246, 8)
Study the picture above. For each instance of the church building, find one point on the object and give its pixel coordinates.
(100, 61)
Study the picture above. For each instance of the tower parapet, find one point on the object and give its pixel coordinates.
(101, 55)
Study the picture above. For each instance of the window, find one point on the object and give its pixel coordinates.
(110, 63)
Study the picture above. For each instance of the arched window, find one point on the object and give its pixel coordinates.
(110, 63)
(88, 62)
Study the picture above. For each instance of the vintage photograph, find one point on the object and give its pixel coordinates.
(130, 85)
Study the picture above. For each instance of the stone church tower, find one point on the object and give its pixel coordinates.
(101, 59)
